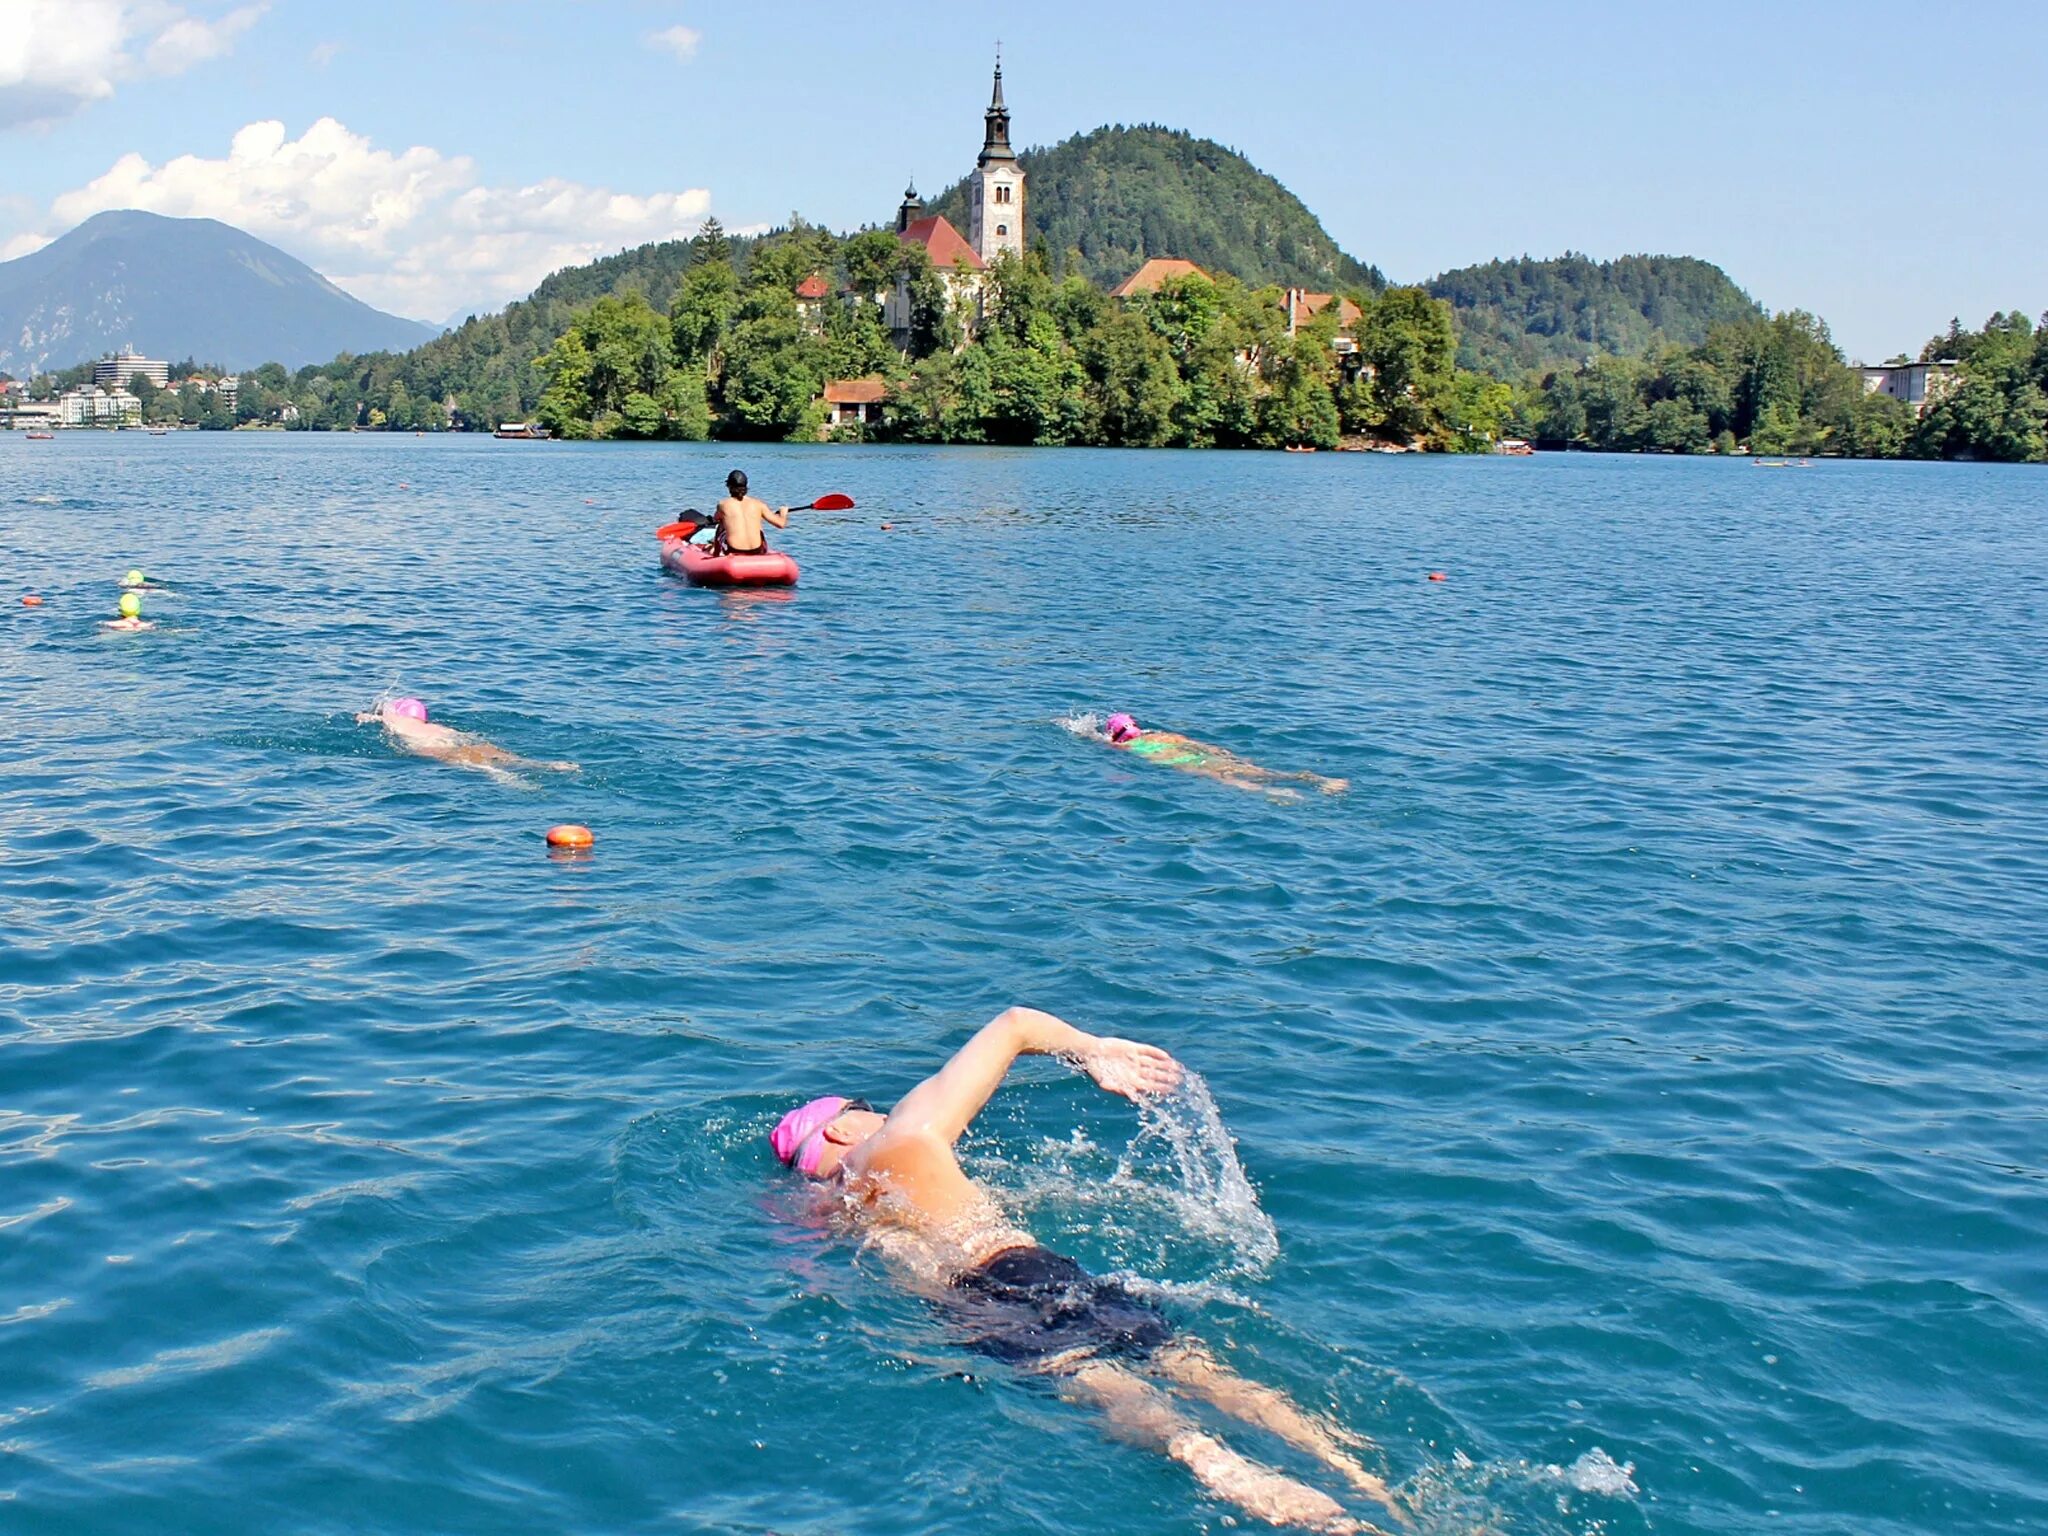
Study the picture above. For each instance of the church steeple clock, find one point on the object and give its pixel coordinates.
(996, 210)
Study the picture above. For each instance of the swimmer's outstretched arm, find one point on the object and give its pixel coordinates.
(945, 1104)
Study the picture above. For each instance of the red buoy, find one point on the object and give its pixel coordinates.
(570, 835)
(30, 600)
(1438, 576)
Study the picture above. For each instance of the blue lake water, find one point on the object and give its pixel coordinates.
(1642, 1069)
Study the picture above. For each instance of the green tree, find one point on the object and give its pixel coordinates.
(1408, 345)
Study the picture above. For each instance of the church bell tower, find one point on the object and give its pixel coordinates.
(996, 217)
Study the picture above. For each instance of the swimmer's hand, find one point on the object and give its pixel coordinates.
(1129, 1068)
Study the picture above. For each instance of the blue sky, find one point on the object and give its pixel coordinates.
(1877, 163)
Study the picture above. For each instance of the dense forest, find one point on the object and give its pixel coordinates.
(1102, 202)
(1520, 316)
(1780, 386)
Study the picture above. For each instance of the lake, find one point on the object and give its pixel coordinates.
(1639, 1074)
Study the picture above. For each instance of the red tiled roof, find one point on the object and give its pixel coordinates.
(1312, 304)
(868, 391)
(812, 287)
(1156, 271)
(942, 242)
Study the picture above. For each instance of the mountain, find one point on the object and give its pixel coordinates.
(1120, 195)
(175, 288)
(1514, 316)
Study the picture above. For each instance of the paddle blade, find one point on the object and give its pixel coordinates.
(836, 502)
(682, 527)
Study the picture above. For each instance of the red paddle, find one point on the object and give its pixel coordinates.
(690, 522)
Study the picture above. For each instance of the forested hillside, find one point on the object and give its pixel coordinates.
(1120, 195)
(1519, 316)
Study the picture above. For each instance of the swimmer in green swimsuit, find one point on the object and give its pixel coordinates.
(1169, 749)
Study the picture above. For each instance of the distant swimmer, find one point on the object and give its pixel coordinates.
(739, 517)
(406, 720)
(1039, 1310)
(137, 581)
(1169, 749)
(131, 614)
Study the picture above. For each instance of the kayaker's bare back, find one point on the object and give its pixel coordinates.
(739, 518)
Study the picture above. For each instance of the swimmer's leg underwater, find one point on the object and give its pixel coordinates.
(1188, 1363)
(1139, 1411)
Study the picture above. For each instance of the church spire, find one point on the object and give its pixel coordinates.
(996, 143)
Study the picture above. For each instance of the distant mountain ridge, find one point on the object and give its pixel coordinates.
(1518, 316)
(1120, 195)
(174, 288)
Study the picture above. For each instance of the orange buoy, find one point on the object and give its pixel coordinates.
(570, 835)
(30, 600)
(1438, 576)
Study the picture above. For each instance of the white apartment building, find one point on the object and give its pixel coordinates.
(1918, 384)
(90, 406)
(115, 372)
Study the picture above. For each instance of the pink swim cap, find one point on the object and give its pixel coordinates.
(797, 1132)
(1120, 727)
(412, 709)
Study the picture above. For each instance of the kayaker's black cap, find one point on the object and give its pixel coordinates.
(736, 482)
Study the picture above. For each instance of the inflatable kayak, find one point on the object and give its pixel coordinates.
(697, 565)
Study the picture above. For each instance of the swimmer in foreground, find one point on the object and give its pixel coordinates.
(899, 1180)
(1171, 750)
(131, 615)
(406, 720)
(739, 518)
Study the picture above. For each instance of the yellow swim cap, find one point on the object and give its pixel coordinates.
(134, 579)
(131, 605)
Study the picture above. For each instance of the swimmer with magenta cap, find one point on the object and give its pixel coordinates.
(1170, 749)
(407, 723)
(900, 1180)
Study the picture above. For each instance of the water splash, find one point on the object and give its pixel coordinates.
(1084, 723)
(1210, 1191)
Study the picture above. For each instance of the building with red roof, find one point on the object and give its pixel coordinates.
(1151, 276)
(855, 402)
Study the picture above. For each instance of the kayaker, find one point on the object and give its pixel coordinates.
(407, 723)
(1170, 749)
(896, 1177)
(739, 518)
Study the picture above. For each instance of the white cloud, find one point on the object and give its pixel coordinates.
(414, 231)
(678, 40)
(58, 56)
(323, 54)
(188, 40)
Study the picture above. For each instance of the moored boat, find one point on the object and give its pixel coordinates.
(524, 431)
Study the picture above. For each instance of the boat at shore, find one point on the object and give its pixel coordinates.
(523, 431)
(42, 437)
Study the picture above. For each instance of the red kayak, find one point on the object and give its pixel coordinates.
(700, 568)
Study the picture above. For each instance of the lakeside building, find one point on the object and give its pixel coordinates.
(1303, 306)
(226, 389)
(91, 406)
(118, 370)
(1920, 385)
(855, 402)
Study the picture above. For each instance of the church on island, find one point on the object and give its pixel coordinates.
(995, 222)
